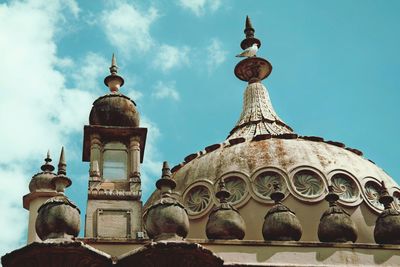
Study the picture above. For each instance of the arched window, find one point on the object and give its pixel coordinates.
(115, 161)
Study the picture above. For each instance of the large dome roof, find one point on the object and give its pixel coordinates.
(262, 150)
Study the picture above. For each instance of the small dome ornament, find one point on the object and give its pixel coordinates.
(335, 224)
(167, 218)
(224, 221)
(43, 181)
(387, 226)
(114, 109)
(280, 223)
(58, 217)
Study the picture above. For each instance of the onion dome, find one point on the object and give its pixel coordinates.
(43, 181)
(114, 109)
(262, 150)
(387, 226)
(224, 221)
(58, 217)
(166, 218)
(281, 223)
(336, 224)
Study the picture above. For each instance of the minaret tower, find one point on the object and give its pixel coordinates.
(258, 116)
(114, 145)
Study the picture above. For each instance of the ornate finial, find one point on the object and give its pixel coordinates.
(387, 226)
(61, 181)
(249, 30)
(280, 223)
(277, 195)
(114, 81)
(222, 194)
(165, 184)
(62, 164)
(331, 197)
(224, 221)
(167, 218)
(252, 69)
(385, 198)
(336, 224)
(47, 166)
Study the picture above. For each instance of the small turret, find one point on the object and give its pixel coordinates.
(224, 221)
(336, 224)
(281, 223)
(387, 226)
(167, 218)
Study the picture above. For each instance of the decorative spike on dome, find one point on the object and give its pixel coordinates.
(61, 181)
(249, 30)
(165, 184)
(62, 164)
(277, 195)
(336, 224)
(387, 226)
(222, 194)
(47, 166)
(114, 81)
(258, 116)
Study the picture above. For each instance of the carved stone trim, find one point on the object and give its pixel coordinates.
(263, 181)
(198, 199)
(346, 186)
(238, 184)
(371, 191)
(308, 184)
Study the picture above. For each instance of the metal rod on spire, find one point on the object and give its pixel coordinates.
(114, 81)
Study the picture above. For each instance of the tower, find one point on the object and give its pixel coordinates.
(114, 145)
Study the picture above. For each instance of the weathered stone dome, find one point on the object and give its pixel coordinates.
(114, 109)
(262, 150)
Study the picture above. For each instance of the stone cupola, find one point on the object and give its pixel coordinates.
(166, 218)
(114, 145)
(336, 224)
(224, 221)
(281, 223)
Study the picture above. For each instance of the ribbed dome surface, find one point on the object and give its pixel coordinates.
(302, 167)
(114, 109)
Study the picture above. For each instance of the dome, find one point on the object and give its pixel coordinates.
(43, 181)
(114, 109)
(260, 151)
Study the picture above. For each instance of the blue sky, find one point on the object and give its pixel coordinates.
(335, 75)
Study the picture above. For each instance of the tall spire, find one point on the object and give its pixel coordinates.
(62, 164)
(258, 116)
(114, 81)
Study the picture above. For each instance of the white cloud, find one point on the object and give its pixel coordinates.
(135, 95)
(199, 7)
(165, 90)
(169, 57)
(92, 69)
(216, 54)
(37, 110)
(128, 28)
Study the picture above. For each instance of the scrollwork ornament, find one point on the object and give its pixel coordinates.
(372, 194)
(308, 184)
(198, 199)
(264, 184)
(237, 187)
(345, 187)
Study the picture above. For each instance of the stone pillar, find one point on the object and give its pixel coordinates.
(134, 164)
(95, 152)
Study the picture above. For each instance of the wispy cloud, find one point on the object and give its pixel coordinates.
(199, 7)
(169, 57)
(164, 90)
(128, 28)
(37, 109)
(216, 54)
